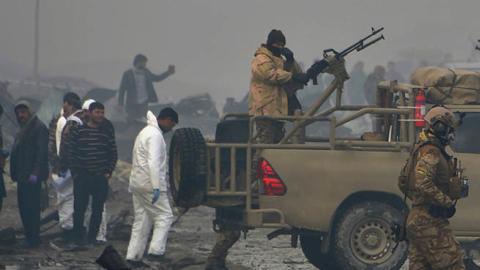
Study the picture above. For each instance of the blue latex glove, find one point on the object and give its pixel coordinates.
(156, 195)
(32, 179)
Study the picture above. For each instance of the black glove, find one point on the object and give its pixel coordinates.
(302, 78)
(450, 212)
(288, 54)
(317, 68)
(437, 211)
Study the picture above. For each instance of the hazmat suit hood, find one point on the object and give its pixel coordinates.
(152, 120)
(149, 159)
(149, 172)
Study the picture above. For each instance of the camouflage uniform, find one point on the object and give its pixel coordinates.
(225, 240)
(432, 242)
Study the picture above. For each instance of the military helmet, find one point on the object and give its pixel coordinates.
(441, 122)
(442, 114)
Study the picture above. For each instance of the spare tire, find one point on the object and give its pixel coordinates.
(188, 167)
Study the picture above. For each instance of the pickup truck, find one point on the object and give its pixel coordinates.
(337, 196)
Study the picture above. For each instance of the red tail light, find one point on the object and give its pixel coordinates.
(272, 183)
(420, 100)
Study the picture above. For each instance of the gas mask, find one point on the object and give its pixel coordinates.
(444, 132)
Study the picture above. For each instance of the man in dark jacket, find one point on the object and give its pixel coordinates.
(29, 167)
(137, 83)
(3, 156)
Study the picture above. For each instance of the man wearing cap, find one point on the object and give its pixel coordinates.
(137, 84)
(28, 168)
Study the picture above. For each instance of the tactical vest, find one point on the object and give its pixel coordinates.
(446, 179)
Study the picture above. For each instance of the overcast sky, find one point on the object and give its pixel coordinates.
(212, 41)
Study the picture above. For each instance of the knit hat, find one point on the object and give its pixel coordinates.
(87, 103)
(22, 103)
(276, 36)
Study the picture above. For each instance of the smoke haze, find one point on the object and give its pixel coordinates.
(211, 42)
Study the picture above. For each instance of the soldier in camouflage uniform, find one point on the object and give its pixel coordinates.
(432, 242)
(272, 93)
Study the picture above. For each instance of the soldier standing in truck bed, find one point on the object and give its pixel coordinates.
(273, 85)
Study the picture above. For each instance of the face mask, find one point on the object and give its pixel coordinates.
(275, 50)
(443, 132)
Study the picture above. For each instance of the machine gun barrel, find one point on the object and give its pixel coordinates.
(370, 43)
(359, 45)
(319, 66)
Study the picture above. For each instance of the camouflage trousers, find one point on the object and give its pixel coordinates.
(432, 244)
(225, 240)
(227, 237)
(269, 131)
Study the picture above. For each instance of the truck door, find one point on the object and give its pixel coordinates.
(467, 148)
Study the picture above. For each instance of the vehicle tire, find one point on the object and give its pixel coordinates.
(363, 237)
(188, 167)
(232, 131)
(311, 249)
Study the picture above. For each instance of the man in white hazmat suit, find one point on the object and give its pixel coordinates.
(148, 185)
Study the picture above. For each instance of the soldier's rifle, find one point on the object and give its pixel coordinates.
(320, 66)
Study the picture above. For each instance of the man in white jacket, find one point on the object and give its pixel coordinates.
(148, 185)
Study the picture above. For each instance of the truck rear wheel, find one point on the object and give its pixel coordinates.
(188, 167)
(363, 238)
(311, 249)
